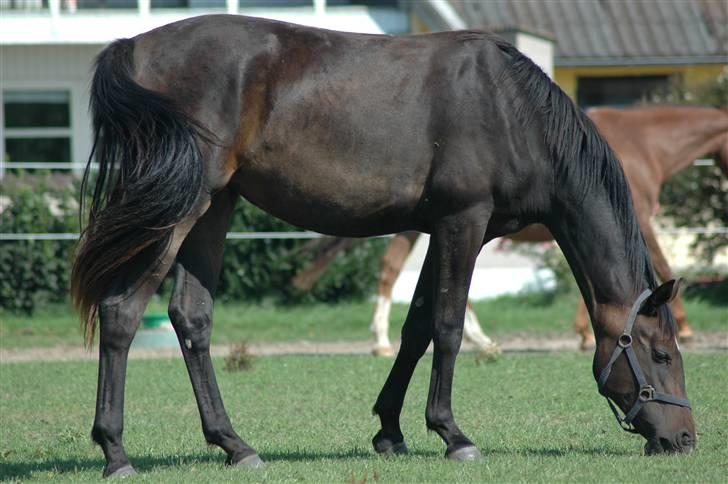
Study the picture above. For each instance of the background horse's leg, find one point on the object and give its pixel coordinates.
(581, 326)
(196, 277)
(662, 268)
(457, 241)
(120, 315)
(473, 332)
(416, 336)
(390, 266)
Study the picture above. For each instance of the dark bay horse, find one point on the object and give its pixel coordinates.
(653, 143)
(455, 134)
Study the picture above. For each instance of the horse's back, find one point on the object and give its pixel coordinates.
(372, 130)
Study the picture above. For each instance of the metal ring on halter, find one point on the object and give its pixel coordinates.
(625, 340)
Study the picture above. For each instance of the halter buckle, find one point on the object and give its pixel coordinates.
(647, 393)
(625, 340)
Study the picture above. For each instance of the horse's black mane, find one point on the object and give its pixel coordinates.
(580, 155)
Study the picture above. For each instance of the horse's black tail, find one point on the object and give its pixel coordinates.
(150, 173)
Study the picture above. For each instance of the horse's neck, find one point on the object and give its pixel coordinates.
(596, 246)
(686, 135)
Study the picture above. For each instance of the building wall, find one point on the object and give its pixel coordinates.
(693, 75)
(54, 67)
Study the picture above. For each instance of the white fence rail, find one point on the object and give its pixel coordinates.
(4, 237)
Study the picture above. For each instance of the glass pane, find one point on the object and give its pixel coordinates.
(38, 149)
(23, 4)
(170, 3)
(275, 3)
(37, 109)
(107, 4)
(618, 91)
(188, 4)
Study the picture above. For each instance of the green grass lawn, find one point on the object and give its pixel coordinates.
(536, 417)
(58, 325)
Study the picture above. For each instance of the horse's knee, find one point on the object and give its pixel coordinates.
(118, 324)
(193, 325)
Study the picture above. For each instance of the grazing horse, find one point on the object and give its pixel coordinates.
(455, 134)
(653, 143)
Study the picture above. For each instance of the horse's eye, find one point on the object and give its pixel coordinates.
(661, 356)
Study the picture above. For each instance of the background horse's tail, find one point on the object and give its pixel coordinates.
(150, 173)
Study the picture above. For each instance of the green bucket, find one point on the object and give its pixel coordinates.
(155, 321)
(156, 332)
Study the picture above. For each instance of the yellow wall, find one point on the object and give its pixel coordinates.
(693, 75)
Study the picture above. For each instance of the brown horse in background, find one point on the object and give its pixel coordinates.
(652, 142)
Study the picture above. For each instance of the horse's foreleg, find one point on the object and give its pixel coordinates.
(119, 317)
(416, 336)
(457, 241)
(581, 326)
(196, 275)
(391, 265)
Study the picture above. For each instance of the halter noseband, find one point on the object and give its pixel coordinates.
(647, 392)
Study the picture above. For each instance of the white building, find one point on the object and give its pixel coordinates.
(47, 48)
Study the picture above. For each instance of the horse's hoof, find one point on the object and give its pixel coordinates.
(385, 351)
(385, 446)
(587, 344)
(685, 335)
(464, 454)
(488, 353)
(121, 472)
(252, 461)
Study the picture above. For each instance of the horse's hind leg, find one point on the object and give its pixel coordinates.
(119, 317)
(196, 275)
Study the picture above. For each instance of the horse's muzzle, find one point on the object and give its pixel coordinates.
(683, 441)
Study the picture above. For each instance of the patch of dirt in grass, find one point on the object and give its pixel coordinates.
(515, 342)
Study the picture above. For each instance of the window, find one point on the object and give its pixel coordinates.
(618, 91)
(37, 126)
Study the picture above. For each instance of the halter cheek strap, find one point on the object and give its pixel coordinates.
(647, 392)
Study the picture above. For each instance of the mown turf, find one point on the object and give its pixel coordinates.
(537, 417)
(58, 325)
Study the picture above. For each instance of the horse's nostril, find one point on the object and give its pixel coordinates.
(685, 439)
(666, 445)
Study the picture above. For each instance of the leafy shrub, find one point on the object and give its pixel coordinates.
(35, 272)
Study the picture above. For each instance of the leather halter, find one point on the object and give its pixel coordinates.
(647, 392)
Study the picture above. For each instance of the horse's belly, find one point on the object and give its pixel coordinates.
(332, 197)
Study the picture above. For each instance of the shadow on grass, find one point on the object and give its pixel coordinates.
(24, 470)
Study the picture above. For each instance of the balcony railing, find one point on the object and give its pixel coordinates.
(71, 6)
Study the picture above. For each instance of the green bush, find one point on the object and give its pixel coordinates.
(35, 272)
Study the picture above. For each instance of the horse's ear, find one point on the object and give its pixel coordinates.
(661, 296)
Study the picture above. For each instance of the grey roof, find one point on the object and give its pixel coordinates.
(607, 32)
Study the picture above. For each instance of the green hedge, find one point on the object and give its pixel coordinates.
(35, 273)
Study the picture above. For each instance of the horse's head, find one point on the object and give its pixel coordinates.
(639, 367)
